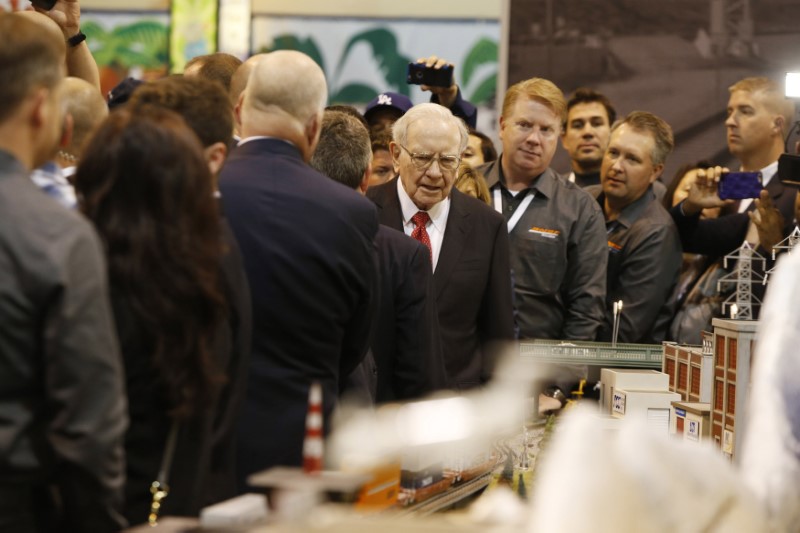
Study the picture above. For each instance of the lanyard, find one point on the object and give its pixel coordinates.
(498, 206)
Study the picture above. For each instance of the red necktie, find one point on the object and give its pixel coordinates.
(420, 233)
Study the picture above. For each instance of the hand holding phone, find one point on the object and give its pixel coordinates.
(420, 74)
(739, 185)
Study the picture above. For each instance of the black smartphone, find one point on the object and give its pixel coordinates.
(47, 5)
(739, 185)
(419, 74)
(789, 169)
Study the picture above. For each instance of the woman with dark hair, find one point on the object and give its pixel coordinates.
(145, 185)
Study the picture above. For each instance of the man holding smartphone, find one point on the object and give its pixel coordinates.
(67, 15)
(758, 119)
(384, 110)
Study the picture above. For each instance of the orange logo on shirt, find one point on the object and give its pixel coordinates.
(553, 232)
(614, 246)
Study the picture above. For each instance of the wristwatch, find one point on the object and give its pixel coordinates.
(76, 39)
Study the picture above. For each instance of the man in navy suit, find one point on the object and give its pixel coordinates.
(406, 346)
(759, 117)
(308, 251)
(468, 242)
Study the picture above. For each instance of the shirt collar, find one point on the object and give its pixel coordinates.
(768, 172)
(438, 212)
(631, 212)
(544, 184)
(260, 137)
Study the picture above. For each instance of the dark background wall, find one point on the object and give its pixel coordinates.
(675, 58)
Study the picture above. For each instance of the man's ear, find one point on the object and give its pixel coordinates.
(394, 149)
(39, 112)
(67, 127)
(313, 128)
(779, 124)
(364, 185)
(237, 114)
(215, 156)
(657, 170)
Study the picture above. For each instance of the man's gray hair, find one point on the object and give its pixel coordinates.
(428, 111)
(344, 150)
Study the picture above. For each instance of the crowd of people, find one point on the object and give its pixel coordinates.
(179, 271)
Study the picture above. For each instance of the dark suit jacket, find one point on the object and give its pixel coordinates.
(721, 236)
(472, 282)
(406, 344)
(307, 245)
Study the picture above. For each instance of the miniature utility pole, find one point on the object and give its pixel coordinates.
(742, 277)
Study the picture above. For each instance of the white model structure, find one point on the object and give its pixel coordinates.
(743, 278)
(770, 459)
(628, 379)
(786, 245)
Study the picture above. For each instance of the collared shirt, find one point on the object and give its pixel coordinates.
(435, 227)
(644, 261)
(766, 175)
(260, 137)
(558, 257)
(50, 179)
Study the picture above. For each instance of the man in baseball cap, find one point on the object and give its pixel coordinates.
(386, 108)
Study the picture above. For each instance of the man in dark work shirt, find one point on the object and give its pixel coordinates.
(644, 251)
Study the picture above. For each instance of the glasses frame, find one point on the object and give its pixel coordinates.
(437, 158)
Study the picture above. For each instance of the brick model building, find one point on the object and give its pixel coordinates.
(690, 369)
(734, 342)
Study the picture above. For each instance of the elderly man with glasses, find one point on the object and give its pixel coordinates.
(467, 241)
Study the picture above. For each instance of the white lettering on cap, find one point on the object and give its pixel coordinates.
(384, 99)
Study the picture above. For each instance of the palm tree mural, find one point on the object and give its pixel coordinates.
(141, 44)
(392, 65)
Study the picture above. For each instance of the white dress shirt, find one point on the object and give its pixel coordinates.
(766, 175)
(435, 227)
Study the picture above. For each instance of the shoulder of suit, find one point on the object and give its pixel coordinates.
(395, 240)
(381, 191)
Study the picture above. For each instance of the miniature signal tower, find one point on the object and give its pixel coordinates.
(786, 245)
(743, 278)
(734, 343)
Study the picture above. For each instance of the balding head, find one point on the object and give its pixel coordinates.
(284, 98)
(45, 24)
(240, 77)
(87, 107)
(286, 82)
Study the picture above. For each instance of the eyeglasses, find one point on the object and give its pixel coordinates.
(423, 161)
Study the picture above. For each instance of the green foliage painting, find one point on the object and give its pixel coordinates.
(142, 44)
(392, 65)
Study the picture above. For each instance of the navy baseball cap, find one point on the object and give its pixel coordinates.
(389, 100)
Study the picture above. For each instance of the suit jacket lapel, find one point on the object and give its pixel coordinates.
(455, 238)
(389, 203)
(775, 187)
